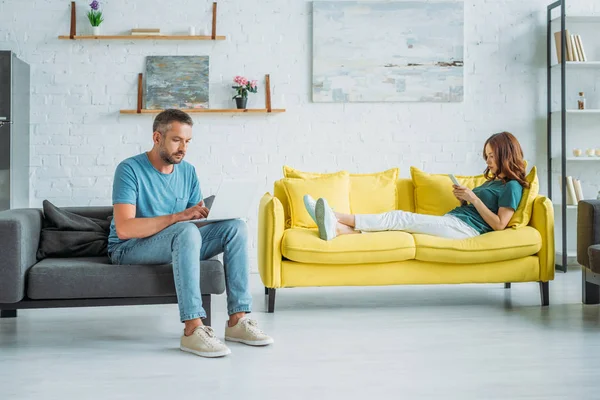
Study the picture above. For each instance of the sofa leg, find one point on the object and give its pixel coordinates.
(271, 307)
(544, 293)
(8, 313)
(507, 285)
(206, 304)
(591, 290)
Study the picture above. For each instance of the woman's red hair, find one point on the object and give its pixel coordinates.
(509, 158)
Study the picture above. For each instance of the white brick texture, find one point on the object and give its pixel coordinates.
(78, 88)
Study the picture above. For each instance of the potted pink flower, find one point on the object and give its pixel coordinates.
(243, 86)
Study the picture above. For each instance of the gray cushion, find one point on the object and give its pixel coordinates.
(96, 277)
(67, 234)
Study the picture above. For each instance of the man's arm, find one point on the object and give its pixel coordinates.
(130, 227)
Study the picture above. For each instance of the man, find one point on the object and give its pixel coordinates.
(152, 193)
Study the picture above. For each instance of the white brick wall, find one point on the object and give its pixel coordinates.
(78, 88)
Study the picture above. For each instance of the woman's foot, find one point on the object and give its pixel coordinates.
(310, 205)
(326, 220)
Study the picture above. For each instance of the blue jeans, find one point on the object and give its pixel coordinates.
(184, 245)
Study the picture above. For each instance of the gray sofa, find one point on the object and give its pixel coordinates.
(84, 281)
(588, 249)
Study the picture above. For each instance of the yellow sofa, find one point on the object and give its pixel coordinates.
(296, 257)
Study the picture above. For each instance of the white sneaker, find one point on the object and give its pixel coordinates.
(326, 220)
(246, 331)
(203, 342)
(310, 204)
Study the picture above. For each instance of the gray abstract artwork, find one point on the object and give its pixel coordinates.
(176, 82)
(388, 51)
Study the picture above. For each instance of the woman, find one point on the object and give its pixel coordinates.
(486, 208)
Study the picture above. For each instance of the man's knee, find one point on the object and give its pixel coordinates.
(237, 227)
(188, 233)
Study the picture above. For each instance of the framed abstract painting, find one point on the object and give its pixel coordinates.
(177, 82)
(400, 51)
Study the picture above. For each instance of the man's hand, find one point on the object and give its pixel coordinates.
(195, 212)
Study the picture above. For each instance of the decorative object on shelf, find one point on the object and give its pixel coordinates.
(577, 152)
(73, 31)
(581, 101)
(590, 152)
(415, 53)
(243, 87)
(177, 82)
(268, 109)
(95, 17)
(192, 31)
(598, 152)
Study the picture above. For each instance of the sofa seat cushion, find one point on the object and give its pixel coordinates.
(96, 277)
(304, 245)
(508, 244)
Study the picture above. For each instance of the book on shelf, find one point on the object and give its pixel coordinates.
(578, 190)
(155, 30)
(571, 196)
(581, 51)
(146, 32)
(574, 47)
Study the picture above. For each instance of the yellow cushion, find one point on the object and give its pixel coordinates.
(369, 193)
(494, 246)
(334, 188)
(522, 214)
(304, 245)
(433, 192)
(406, 194)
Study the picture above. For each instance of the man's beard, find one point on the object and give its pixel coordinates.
(170, 158)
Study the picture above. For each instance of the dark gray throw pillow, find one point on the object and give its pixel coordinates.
(65, 234)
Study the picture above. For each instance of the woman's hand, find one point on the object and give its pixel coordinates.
(464, 194)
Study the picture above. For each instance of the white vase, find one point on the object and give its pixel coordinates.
(95, 30)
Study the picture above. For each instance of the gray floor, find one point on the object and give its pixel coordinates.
(413, 342)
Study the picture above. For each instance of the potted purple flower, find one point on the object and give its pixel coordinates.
(243, 87)
(95, 17)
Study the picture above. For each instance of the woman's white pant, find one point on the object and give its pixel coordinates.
(446, 226)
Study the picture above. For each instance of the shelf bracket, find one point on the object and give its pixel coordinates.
(214, 21)
(73, 32)
(268, 93)
(140, 94)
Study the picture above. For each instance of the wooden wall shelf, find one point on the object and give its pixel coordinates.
(73, 32)
(140, 37)
(268, 109)
(210, 110)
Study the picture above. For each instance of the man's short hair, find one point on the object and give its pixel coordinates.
(162, 122)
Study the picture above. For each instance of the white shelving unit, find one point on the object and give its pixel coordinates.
(580, 159)
(580, 75)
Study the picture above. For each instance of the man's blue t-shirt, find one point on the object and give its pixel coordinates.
(153, 193)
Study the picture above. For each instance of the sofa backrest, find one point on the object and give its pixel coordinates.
(405, 199)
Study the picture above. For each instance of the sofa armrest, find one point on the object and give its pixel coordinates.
(588, 229)
(19, 240)
(271, 224)
(594, 257)
(542, 219)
